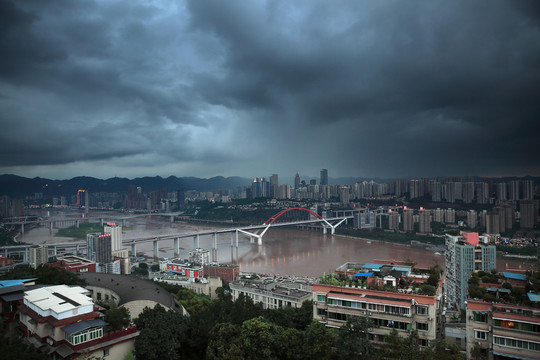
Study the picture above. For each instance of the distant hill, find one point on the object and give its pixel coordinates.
(18, 186)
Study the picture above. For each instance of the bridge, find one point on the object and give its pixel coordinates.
(251, 231)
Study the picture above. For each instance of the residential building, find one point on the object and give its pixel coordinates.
(425, 221)
(182, 267)
(344, 194)
(62, 320)
(38, 255)
(408, 220)
(272, 293)
(333, 305)
(465, 254)
(528, 213)
(116, 235)
(472, 219)
(274, 186)
(199, 256)
(225, 272)
(503, 331)
(393, 221)
(493, 223)
(528, 189)
(99, 248)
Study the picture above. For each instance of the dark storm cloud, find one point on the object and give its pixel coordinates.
(363, 88)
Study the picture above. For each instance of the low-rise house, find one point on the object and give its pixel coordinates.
(272, 293)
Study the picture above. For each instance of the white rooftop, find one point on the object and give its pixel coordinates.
(58, 298)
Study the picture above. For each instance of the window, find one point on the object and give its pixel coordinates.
(480, 335)
(480, 317)
(321, 298)
(106, 352)
(421, 310)
(423, 342)
(422, 326)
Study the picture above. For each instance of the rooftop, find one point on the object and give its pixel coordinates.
(375, 294)
(130, 288)
(58, 298)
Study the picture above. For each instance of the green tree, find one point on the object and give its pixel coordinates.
(257, 340)
(442, 350)
(353, 339)
(118, 318)
(162, 334)
(225, 343)
(319, 341)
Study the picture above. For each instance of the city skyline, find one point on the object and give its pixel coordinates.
(372, 90)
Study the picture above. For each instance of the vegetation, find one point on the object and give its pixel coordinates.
(14, 348)
(6, 237)
(118, 318)
(44, 274)
(141, 270)
(79, 232)
(526, 250)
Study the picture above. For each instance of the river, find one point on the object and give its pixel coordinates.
(284, 251)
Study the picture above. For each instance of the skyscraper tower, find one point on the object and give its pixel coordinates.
(296, 182)
(274, 187)
(324, 177)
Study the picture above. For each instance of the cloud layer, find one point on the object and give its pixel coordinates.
(363, 88)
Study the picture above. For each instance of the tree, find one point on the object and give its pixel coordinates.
(353, 339)
(319, 342)
(225, 343)
(154, 267)
(442, 350)
(118, 318)
(257, 340)
(162, 334)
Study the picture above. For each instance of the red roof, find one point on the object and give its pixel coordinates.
(420, 299)
(478, 305)
(471, 238)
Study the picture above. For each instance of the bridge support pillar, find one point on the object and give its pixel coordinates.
(77, 223)
(232, 247)
(156, 249)
(324, 230)
(171, 219)
(133, 249)
(196, 241)
(55, 250)
(251, 240)
(25, 256)
(101, 220)
(333, 231)
(78, 249)
(237, 258)
(214, 247)
(259, 241)
(123, 222)
(51, 227)
(22, 228)
(176, 246)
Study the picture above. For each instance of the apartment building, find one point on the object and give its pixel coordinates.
(333, 305)
(502, 331)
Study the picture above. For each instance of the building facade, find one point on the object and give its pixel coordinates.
(270, 293)
(465, 254)
(502, 331)
(333, 305)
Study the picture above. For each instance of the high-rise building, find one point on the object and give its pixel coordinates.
(99, 248)
(472, 219)
(513, 190)
(344, 194)
(393, 221)
(502, 192)
(408, 220)
(116, 235)
(450, 216)
(296, 182)
(425, 221)
(482, 193)
(274, 186)
(284, 191)
(493, 223)
(324, 177)
(38, 255)
(435, 191)
(416, 188)
(468, 192)
(528, 189)
(199, 256)
(528, 213)
(465, 254)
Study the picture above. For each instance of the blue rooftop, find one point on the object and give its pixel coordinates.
(8, 283)
(363, 274)
(514, 276)
(534, 297)
(372, 266)
(402, 268)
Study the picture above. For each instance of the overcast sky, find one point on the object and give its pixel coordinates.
(250, 88)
